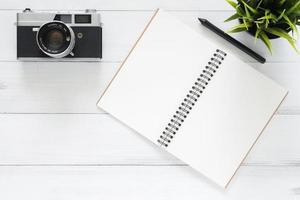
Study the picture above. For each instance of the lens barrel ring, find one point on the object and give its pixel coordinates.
(56, 39)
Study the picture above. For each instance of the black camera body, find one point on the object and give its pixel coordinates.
(59, 36)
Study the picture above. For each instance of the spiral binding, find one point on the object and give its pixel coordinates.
(191, 98)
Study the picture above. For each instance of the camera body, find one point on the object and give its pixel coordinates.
(59, 36)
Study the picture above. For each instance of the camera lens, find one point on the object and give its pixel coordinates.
(55, 39)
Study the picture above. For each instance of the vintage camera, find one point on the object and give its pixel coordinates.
(59, 36)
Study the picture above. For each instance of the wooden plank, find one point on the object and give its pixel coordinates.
(121, 29)
(116, 5)
(64, 87)
(140, 182)
(86, 139)
(52, 87)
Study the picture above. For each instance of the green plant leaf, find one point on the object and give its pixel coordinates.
(240, 11)
(281, 33)
(257, 6)
(253, 10)
(281, 15)
(293, 8)
(281, 2)
(267, 18)
(247, 12)
(293, 27)
(239, 28)
(232, 17)
(273, 18)
(296, 13)
(257, 26)
(257, 32)
(260, 21)
(245, 23)
(232, 3)
(267, 23)
(263, 36)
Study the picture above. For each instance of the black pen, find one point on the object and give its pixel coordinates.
(233, 41)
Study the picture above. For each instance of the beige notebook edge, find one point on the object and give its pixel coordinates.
(131, 50)
(255, 141)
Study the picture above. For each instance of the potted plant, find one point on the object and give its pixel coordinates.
(267, 19)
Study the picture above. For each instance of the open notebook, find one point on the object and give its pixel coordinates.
(194, 99)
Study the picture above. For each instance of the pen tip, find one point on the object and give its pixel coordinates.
(201, 19)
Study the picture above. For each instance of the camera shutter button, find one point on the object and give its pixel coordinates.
(27, 10)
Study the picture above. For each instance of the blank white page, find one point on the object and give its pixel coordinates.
(227, 120)
(158, 74)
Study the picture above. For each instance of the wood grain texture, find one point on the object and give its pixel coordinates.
(70, 149)
(100, 140)
(53, 87)
(64, 87)
(147, 182)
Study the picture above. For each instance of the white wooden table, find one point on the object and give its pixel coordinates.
(55, 143)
